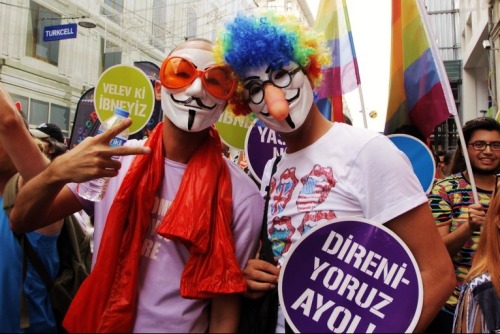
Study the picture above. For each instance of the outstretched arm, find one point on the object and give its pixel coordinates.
(417, 230)
(45, 199)
(17, 141)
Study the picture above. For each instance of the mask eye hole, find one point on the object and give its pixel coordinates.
(254, 92)
(219, 81)
(177, 73)
(281, 78)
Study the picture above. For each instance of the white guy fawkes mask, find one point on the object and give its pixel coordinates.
(192, 108)
(297, 91)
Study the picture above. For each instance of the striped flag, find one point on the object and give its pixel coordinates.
(343, 75)
(419, 91)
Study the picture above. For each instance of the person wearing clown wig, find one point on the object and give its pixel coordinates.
(329, 169)
(177, 224)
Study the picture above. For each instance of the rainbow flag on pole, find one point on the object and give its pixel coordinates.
(419, 91)
(343, 75)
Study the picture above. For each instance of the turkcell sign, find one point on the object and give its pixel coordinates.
(63, 31)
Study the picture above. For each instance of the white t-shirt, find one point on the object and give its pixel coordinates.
(160, 307)
(349, 171)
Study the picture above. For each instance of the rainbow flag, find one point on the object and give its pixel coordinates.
(419, 91)
(343, 75)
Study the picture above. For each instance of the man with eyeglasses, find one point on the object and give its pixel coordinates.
(457, 217)
(175, 226)
(329, 169)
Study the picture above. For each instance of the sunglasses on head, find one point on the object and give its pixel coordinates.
(177, 72)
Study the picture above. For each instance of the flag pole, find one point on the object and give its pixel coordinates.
(363, 110)
(356, 68)
(450, 99)
(463, 145)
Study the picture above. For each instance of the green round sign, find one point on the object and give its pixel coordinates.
(233, 129)
(126, 87)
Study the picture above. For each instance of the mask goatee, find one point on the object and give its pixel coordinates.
(290, 122)
(192, 115)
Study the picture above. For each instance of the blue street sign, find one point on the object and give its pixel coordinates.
(63, 31)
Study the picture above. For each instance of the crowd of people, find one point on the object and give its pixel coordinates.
(178, 232)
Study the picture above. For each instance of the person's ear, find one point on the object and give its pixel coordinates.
(157, 90)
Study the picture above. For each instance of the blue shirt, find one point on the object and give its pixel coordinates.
(39, 306)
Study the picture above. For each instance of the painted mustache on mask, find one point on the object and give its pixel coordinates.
(197, 100)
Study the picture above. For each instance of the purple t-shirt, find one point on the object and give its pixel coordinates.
(160, 307)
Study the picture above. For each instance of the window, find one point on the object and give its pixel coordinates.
(110, 58)
(112, 54)
(159, 24)
(192, 23)
(59, 115)
(41, 17)
(39, 112)
(112, 9)
(24, 103)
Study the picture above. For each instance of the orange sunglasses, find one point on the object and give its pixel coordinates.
(177, 72)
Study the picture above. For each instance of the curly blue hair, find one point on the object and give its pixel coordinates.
(270, 39)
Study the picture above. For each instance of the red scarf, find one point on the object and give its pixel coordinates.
(200, 216)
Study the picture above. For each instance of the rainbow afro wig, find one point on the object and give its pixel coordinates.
(269, 39)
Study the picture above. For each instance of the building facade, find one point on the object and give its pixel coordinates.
(49, 77)
(494, 47)
(476, 56)
(444, 19)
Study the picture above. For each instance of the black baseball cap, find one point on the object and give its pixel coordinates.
(46, 130)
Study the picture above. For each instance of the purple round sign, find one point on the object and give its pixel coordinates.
(261, 145)
(350, 275)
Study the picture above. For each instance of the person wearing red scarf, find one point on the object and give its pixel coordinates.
(176, 225)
